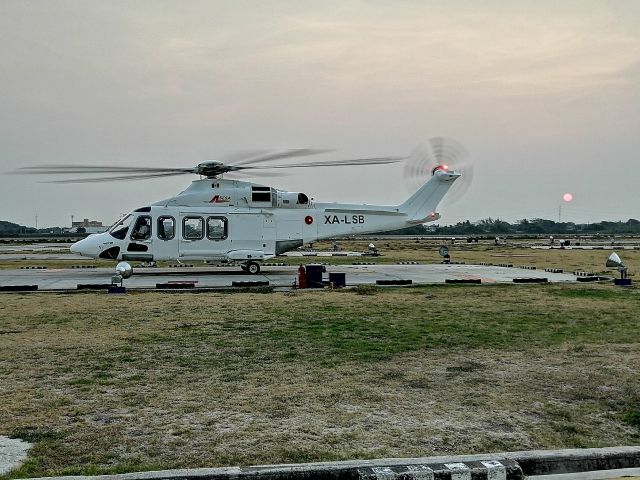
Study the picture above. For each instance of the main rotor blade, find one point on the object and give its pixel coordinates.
(269, 157)
(69, 169)
(331, 163)
(236, 156)
(241, 174)
(209, 169)
(119, 178)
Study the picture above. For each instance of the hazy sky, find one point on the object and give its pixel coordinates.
(544, 94)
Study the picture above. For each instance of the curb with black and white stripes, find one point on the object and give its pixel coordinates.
(480, 470)
(494, 466)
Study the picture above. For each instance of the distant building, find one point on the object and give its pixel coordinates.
(86, 223)
(88, 226)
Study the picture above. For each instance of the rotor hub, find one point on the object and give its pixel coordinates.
(211, 168)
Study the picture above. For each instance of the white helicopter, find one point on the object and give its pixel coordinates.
(229, 220)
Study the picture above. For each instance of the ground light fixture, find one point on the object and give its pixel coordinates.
(614, 261)
(123, 271)
(444, 253)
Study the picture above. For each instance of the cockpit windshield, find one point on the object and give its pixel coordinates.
(121, 227)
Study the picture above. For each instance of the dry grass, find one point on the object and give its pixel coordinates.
(109, 384)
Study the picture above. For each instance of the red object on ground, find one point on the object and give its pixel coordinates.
(302, 277)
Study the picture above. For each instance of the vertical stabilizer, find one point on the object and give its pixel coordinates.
(421, 206)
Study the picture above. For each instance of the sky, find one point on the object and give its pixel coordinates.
(545, 96)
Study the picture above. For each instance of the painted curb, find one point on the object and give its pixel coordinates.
(538, 462)
(545, 462)
(479, 470)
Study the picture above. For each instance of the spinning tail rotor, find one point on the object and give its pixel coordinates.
(440, 153)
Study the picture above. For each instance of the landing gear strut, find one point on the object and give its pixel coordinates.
(251, 267)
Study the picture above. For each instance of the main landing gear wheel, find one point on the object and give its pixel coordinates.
(252, 267)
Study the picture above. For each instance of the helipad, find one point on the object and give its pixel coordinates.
(57, 279)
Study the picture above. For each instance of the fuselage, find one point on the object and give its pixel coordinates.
(231, 220)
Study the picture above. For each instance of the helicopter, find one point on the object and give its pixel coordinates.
(232, 220)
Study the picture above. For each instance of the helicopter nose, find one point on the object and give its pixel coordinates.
(86, 247)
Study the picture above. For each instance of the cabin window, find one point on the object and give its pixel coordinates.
(142, 228)
(216, 228)
(261, 194)
(166, 227)
(193, 228)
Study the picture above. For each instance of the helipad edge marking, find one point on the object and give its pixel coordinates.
(495, 470)
(384, 473)
(420, 472)
(459, 471)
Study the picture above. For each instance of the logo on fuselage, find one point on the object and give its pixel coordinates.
(220, 199)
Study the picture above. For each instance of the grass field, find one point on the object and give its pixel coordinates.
(104, 384)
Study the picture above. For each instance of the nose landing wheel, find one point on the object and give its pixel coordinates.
(252, 268)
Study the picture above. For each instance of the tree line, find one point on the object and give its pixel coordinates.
(9, 229)
(536, 226)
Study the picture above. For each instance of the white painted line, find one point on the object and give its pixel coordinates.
(420, 472)
(459, 471)
(384, 473)
(495, 470)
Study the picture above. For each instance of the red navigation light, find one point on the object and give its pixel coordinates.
(441, 167)
(308, 219)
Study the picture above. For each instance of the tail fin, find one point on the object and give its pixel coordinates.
(421, 206)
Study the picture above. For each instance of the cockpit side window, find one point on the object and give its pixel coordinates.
(120, 228)
(142, 228)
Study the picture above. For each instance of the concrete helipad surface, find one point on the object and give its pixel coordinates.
(55, 279)
(626, 473)
(12, 453)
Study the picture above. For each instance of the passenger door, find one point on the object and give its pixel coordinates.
(165, 244)
(192, 236)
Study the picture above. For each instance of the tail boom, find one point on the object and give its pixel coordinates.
(421, 206)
